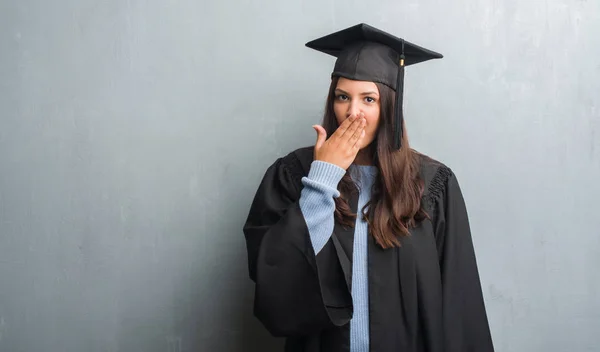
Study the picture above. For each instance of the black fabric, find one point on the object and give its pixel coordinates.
(399, 107)
(342, 44)
(292, 296)
(423, 296)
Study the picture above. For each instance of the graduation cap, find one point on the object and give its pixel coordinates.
(365, 53)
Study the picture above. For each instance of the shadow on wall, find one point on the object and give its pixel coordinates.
(234, 327)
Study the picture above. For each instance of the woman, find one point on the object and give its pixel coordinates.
(360, 243)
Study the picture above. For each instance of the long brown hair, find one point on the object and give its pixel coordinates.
(395, 205)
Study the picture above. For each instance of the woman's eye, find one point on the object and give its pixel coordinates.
(342, 97)
(370, 100)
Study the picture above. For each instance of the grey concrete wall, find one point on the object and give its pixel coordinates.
(133, 135)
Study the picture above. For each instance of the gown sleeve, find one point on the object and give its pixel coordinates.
(465, 322)
(297, 293)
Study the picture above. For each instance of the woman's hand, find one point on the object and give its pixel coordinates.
(343, 145)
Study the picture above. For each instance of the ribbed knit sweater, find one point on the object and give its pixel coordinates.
(317, 205)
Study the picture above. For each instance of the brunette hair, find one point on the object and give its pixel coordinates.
(395, 205)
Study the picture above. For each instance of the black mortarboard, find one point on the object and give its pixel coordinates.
(366, 53)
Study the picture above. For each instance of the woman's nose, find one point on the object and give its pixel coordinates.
(353, 110)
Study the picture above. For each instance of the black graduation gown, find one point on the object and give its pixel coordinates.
(424, 296)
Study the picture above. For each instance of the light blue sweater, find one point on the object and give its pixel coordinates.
(318, 206)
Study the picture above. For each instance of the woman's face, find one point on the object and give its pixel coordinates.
(353, 98)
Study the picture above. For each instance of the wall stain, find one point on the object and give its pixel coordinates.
(173, 344)
(2, 328)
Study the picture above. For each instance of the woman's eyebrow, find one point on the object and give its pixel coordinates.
(364, 93)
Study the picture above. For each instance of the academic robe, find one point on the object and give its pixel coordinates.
(423, 296)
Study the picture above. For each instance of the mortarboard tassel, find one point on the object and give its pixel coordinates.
(398, 109)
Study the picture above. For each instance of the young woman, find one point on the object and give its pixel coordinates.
(361, 244)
